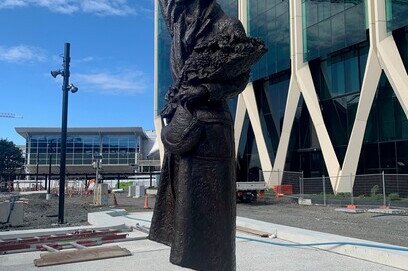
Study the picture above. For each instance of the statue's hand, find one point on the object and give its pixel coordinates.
(189, 94)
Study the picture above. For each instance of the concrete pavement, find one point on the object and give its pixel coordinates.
(251, 255)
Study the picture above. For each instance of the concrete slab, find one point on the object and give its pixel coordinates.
(302, 201)
(351, 211)
(253, 256)
(387, 211)
(14, 210)
(352, 247)
(253, 253)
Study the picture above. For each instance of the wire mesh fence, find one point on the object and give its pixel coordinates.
(77, 183)
(370, 189)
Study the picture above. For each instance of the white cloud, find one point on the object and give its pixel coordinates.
(21, 53)
(126, 82)
(98, 7)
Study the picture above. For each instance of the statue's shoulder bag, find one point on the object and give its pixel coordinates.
(183, 132)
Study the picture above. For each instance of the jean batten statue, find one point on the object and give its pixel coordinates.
(195, 209)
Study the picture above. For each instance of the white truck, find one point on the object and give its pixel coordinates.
(247, 191)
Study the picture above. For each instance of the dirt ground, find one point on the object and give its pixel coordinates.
(391, 229)
(40, 213)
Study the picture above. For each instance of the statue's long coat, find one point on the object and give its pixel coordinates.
(196, 207)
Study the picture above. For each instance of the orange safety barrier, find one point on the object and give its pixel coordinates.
(283, 189)
(146, 203)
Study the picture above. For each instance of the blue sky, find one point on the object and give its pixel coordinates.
(111, 63)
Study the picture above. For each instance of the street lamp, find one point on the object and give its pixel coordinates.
(97, 164)
(66, 87)
(48, 182)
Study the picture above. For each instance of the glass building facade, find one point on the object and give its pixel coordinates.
(43, 146)
(330, 25)
(336, 45)
(115, 149)
(397, 11)
(269, 20)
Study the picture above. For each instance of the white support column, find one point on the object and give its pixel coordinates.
(292, 100)
(302, 81)
(248, 97)
(394, 69)
(158, 124)
(290, 112)
(242, 13)
(253, 113)
(368, 90)
(239, 122)
(306, 85)
(383, 56)
(157, 119)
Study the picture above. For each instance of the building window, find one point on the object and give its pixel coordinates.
(329, 26)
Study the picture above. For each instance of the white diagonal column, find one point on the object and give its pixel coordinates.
(239, 121)
(248, 96)
(302, 81)
(389, 56)
(383, 56)
(157, 118)
(253, 114)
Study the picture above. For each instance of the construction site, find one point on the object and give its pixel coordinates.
(317, 134)
(111, 234)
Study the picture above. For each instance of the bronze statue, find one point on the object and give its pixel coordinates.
(195, 209)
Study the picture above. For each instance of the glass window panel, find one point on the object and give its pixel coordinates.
(311, 13)
(351, 68)
(402, 157)
(355, 19)
(397, 14)
(371, 154)
(347, 26)
(337, 76)
(387, 156)
(337, 6)
(338, 32)
(325, 37)
(313, 42)
(269, 20)
(123, 161)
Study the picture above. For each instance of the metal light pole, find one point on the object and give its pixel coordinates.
(48, 186)
(66, 87)
(36, 171)
(97, 164)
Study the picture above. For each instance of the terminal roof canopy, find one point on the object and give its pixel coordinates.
(28, 131)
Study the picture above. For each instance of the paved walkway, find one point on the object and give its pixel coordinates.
(251, 255)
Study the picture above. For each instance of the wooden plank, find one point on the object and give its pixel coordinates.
(83, 255)
(50, 249)
(253, 231)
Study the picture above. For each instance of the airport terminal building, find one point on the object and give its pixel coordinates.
(329, 98)
(124, 150)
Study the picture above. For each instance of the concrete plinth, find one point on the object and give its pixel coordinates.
(131, 191)
(101, 197)
(15, 211)
(302, 201)
(351, 211)
(387, 211)
(139, 191)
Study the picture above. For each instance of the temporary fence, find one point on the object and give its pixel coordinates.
(363, 189)
(77, 183)
(368, 189)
